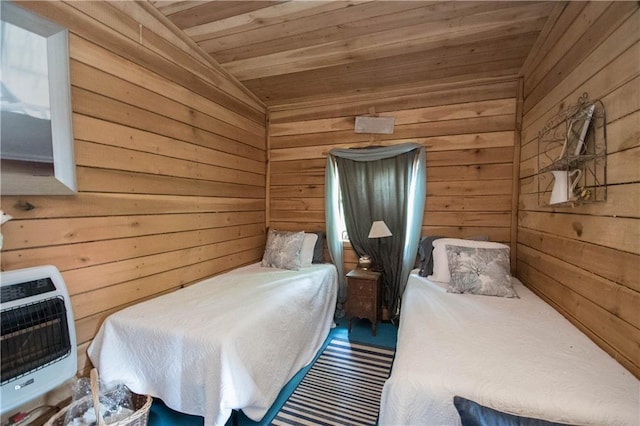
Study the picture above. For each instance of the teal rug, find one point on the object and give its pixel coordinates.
(161, 415)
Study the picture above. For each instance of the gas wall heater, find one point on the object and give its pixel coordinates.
(38, 339)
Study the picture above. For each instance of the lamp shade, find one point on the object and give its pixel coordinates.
(379, 229)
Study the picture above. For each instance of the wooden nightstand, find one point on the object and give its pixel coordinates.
(364, 296)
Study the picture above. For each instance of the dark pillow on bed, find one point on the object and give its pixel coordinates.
(425, 250)
(473, 414)
(318, 250)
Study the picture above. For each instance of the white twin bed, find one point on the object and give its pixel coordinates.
(515, 355)
(230, 342)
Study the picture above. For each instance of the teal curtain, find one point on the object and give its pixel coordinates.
(377, 183)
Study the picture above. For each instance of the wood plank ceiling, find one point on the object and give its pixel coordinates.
(296, 51)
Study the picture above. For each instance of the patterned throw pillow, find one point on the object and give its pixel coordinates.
(477, 270)
(283, 250)
(440, 263)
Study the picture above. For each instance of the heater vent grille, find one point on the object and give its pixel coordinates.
(32, 337)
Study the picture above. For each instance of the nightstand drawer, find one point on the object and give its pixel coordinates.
(363, 306)
(362, 287)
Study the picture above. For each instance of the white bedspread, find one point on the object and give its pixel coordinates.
(228, 342)
(515, 355)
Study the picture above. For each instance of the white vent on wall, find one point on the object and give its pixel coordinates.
(382, 125)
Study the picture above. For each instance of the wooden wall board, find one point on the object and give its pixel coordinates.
(171, 166)
(470, 172)
(588, 317)
(619, 102)
(91, 29)
(283, 179)
(397, 102)
(297, 204)
(198, 146)
(458, 111)
(573, 21)
(479, 203)
(469, 140)
(122, 204)
(584, 260)
(476, 145)
(94, 278)
(91, 323)
(498, 234)
(90, 303)
(27, 233)
(109, 109)
(607, 21)
(117, 181)
(613, 232)
(609, 263)
(499, 123)
(621, 126)
(541, 45)
(158, 34)
(468, 219)
(92, 253)
(102, 83)
(101, 156)
(93, 55)
(312, 165)
(292, 191)
(623, 200)
(610, 66)
(619, 300)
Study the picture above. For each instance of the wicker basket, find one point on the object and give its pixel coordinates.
(141, 405)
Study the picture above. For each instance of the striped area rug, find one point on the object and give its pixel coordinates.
(342, 387)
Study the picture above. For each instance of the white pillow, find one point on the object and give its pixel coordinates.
(440, 262)
(308, 248)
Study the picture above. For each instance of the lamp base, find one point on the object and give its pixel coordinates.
(365, 262)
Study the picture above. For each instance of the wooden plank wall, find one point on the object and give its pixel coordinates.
(171, 163)
(585, 260)
(468, 133)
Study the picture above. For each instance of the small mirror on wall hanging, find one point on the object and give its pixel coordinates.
(36, 138)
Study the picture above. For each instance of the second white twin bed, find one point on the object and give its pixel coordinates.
(514, 354)
(230, 342)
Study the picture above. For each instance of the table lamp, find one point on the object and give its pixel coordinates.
(378, 229)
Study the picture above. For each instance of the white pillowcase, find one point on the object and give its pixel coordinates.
(308, 248)
(440, 262)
